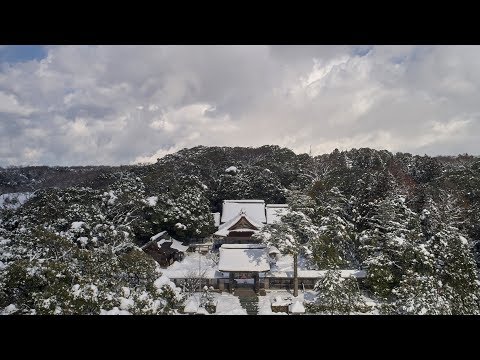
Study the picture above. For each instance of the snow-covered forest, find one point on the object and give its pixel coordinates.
(70, 237)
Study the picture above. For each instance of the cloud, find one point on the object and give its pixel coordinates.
(126, 104)
(10, 104)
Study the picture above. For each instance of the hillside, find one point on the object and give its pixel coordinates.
(412, 221)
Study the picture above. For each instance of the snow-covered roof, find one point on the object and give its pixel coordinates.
(155, 237)
(243, 230)
(243, 257)
(177, 245)
(243, 246)
(275, 212)
(237, 217)
(224, 229)
(296, 308)
(216, 218)
(255, 209)
(222, 232)
(226, 232)
(317, 273)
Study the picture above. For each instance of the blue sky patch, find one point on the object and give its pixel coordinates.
(361, 50)
(21, 53)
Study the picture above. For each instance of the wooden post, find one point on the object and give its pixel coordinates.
(295, 275)
(230, 285)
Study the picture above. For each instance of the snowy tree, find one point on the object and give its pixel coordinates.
(193, 280)
(453, 260)
(411, 221)
(291, 236)
(388, 246)
(420, 294)
(335, 247)
(49, 274)
(338, 295)
(250, 182)
(299, 200)
(207, 300)
(184, 215)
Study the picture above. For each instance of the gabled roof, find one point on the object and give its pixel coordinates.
(166, 243)
(224, 229)
(243, 257)
(175, 244)
(159, 235)
(275, 212)
(254, 208)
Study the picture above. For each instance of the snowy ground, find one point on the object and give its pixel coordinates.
(195, 262)
(285, 264)
(264, 302)
(192, 264)
(227, 304)
(284, 268)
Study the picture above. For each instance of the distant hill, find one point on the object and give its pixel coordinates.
(413, 222)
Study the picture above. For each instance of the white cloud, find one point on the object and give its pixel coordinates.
(10, 104)
(157, 155)
(124, 104)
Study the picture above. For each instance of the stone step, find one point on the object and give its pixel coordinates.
(250, 304)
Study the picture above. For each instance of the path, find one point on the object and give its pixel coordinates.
(248, 299)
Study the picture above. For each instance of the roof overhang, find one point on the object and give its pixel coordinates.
(243, 258)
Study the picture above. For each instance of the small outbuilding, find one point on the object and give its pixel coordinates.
(165, 249)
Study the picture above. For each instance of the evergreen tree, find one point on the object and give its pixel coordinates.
(335, 247)
(337, 295)
(420, 294)
(291, 236)
(388, 246)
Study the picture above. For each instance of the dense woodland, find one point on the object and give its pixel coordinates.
(413, 222)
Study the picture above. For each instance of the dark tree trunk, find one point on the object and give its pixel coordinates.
(295, 275)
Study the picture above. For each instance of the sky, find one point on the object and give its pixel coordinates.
(92, 105)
